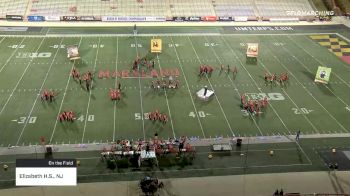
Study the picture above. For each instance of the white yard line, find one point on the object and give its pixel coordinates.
(141, 100)
(24, 72)
(90, 92)
(257, 86)
(302, 150)
(167, 102)
(64, 96)
(234, 86)
(115, 86)
(13, 53)
(306, 118)
(38, 95)
(3, 38)
(304, 87)
(217, 99)
(188, 88)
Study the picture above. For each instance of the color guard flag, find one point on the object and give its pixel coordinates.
(252, 50)
(156, 45)
(323, 74)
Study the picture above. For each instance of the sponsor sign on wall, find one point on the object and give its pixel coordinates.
(179, 19)
(52, 18)
(133, 18)
(209, 18)
(70, 18)
(14, 17)
(225, 18)
(194, 18)
(87, 18)
(36, 18)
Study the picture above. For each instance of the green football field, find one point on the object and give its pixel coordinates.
(28, 65)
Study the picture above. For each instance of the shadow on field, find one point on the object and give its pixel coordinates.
(322, 87)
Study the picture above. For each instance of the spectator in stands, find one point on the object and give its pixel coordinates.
(281, 192)
(147, 149)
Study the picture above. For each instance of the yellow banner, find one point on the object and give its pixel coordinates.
(156, 45)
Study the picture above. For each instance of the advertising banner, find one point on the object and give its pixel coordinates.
(241, 19)
(155, 18)
(36, 18)
(194, 18)
(70, 18)
(52, 18)
(87, 18)
(14, 17)
(179, 19)
(225, 18)
(209, 18)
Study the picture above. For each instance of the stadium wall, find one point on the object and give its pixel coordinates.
(150, 24)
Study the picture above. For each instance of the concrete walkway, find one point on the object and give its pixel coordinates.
(239, 185)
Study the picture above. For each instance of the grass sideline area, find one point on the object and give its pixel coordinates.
(288, 157)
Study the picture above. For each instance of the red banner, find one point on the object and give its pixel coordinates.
(208, 18)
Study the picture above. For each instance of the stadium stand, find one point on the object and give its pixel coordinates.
(279, 8)
(12, 7)
(168, 8)
(191, 8)
(344, 5)
(226, 8)
(319, 5)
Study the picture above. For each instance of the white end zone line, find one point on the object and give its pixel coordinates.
(217, 99)
(237, 91)
(64, 95)
(188, 88)
(38, 95)
(90, 92)
(14, 89)
(115, 86)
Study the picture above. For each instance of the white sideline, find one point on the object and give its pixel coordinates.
(164, 34)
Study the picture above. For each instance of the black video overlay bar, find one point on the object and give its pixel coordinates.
(46, 163)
